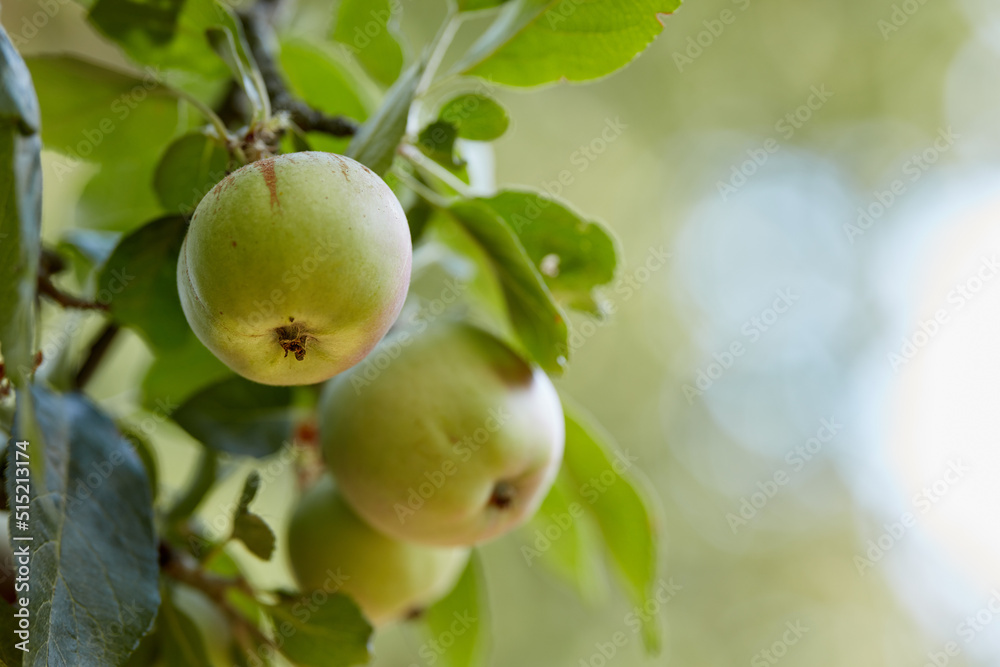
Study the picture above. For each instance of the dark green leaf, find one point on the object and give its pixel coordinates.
(464, 614)
(250, 488)
(437, 140)
(365, 28)
(239, 417)
(20, 212)
(176, 375)
(334, 635)
(249, 528)
(94, 571)
(189, 168)
(139, 283)
(562, 538)
(476, 117)
(376, 141)
(574, 255)
(254, 532)
(621, 508)
(137, 24)
(145, 453)
(181, 641)
(532, 42)
(540, 325)
(167, 35)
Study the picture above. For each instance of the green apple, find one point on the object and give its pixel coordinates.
(443, 437)
(294, 267)
(331, 549)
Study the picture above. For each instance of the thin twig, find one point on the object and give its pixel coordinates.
(46, 288)
(184, 569)
(98, 349)
(260, 38)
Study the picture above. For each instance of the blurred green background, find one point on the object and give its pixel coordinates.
(707, 148)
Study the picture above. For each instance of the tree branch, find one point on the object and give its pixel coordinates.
(65, 300)
(98, 349)
(184, 569)
(260, 38)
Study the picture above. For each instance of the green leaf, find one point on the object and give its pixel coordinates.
(94, 567)
(179, 373)
(532, 42)
(181, 641)
(249, 528)
(376, 141)
(239, 417)
(621, 508)
(190, 167)
(253, 531)
(437, 141)
(119, 122)
(137, 24)
(476, 117)
(333, 634)
(562, 538)
(365, 28)
(317, 76)
(139, 282)
(229, 42)
(20, 212)
(476, 5)
(574, 255)
(168, 36)
(464, 614)
(538, 321)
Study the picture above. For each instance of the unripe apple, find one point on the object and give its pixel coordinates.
(331, 549)
(294, 267)
(443, 437)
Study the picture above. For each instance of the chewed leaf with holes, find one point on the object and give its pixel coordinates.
(574, 255)
(94, 571)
